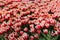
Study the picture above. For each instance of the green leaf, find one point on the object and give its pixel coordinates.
(41, 38)
(2, 38)
(55, 38)
(44, 36)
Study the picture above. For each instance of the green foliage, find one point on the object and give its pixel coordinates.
(2, 38)
(48, 37)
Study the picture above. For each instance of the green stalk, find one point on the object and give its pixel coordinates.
(48, 36)
(55, 38)
(44, 36)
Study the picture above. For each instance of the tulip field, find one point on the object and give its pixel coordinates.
(29, 19)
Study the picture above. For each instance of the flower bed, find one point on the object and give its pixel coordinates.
(29, 20)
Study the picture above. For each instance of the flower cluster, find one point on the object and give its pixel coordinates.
(27, 20)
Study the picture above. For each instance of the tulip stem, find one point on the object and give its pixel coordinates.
(55, 38)
(48, 36)
(45, 36)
